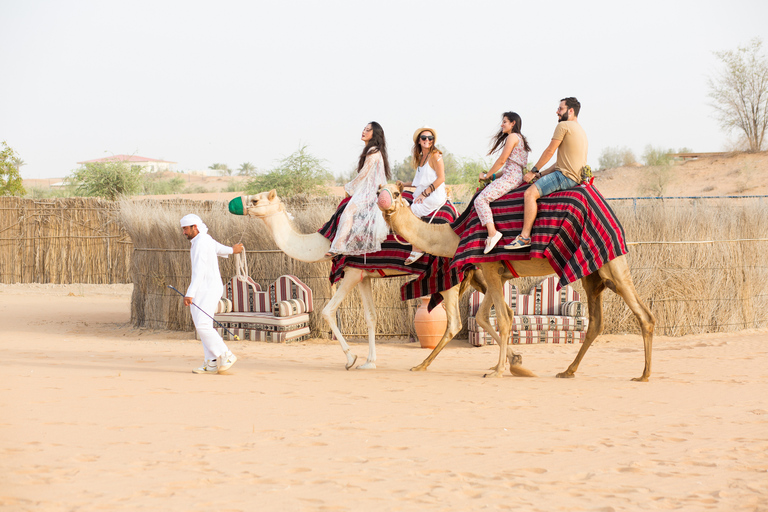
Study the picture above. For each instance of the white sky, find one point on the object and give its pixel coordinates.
(235, 81)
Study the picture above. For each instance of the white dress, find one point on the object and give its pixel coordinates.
(424, 177)
(362, 227)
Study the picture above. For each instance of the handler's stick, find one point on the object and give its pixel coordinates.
(206, 314)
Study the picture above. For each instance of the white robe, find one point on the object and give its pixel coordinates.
(206, 289)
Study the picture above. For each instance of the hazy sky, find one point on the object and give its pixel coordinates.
(235, 81)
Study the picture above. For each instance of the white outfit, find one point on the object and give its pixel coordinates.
(362, 227)
(424, 177)
(206, 288)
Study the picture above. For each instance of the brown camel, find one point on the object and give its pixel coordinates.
(441, 240)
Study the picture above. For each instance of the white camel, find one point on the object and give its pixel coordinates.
(312, 248)
(441, 240)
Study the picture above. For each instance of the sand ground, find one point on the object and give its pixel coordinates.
(99, 416)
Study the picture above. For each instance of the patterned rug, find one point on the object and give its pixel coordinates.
(575, 230)
(434, 274)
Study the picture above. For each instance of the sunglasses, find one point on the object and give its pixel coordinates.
(427, 137)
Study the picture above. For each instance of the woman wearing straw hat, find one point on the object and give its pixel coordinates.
(429, 179)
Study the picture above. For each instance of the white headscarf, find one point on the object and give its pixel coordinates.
(193, 220)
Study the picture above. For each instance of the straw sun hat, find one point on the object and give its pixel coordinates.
(424, 129)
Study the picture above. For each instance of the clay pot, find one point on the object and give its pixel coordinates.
(430, 326)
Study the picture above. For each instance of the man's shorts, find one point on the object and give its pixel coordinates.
(553, 182)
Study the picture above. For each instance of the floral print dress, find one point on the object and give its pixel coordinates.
(362, 227)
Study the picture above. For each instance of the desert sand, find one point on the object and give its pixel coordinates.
(100, 416)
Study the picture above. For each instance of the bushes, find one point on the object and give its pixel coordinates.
(298, 173)
(616, 157)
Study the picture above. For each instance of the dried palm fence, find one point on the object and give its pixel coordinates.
(76, 240)
(700, 265)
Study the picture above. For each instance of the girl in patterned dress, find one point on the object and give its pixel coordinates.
(506, 172)
(362, 227)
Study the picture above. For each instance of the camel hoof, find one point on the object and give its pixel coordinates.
(565, 375)
(640, 379)
(495, 374)
(514, 359)
(370, 365)
(351, 362)
(419, 368)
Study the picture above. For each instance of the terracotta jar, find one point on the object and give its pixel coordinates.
(430, 326)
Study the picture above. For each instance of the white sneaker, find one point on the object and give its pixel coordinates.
(226, 360)
(209, 366)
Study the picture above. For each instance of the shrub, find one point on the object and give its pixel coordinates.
(657, 156)
(109, 180)
(616, 156)
(298, 173)
(10, 178)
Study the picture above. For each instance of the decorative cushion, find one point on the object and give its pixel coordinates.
(289, 307)
(510, 295)
(224, 306)
(479, 339)
(262, 321)
(537, 323)
(268, 336)
(246, 295)
(573, 308)
(289, 287)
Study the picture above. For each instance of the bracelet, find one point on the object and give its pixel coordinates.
(493, 176)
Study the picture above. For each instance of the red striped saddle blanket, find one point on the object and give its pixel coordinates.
(434, 274)
(575, 230)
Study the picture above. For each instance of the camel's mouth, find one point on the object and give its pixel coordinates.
(385, 199)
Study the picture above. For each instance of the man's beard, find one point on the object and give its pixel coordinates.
(563, 117)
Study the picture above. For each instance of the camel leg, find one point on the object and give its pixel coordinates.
(352, 278)
(618, 279)
(593, 286)
(503, 319)
(451, 301)
(369, 310)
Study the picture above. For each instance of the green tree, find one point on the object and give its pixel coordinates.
(657, 156)
(402, 171)
(298, 173)
(246, 169)
(614, 157)
(10, 178)
(740, 92)
(109, 180)
(221, 169)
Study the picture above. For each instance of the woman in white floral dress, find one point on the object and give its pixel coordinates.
(362, 227)
(506, 172)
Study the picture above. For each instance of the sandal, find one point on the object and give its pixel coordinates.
(415, 255)
(491, 242)
(520, 242)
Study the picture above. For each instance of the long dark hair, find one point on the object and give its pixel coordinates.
(501, 137)
(377, 144)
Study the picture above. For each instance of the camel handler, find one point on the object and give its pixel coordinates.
(570, 142)
(205, 290)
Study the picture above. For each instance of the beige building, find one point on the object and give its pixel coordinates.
(147, 164)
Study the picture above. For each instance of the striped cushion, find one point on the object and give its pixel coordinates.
(262, 321)
(268, 336)
(573, 308)
(246, 295)
(289, 287)
(537, 323)
(224, 306)
(544, 299)
(289, 307)
(479, 339)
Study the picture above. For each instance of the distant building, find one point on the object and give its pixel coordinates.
(147, 164)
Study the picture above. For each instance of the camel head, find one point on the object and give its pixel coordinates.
(391, 199)
(259, 205)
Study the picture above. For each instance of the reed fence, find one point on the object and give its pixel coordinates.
(698, 263)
